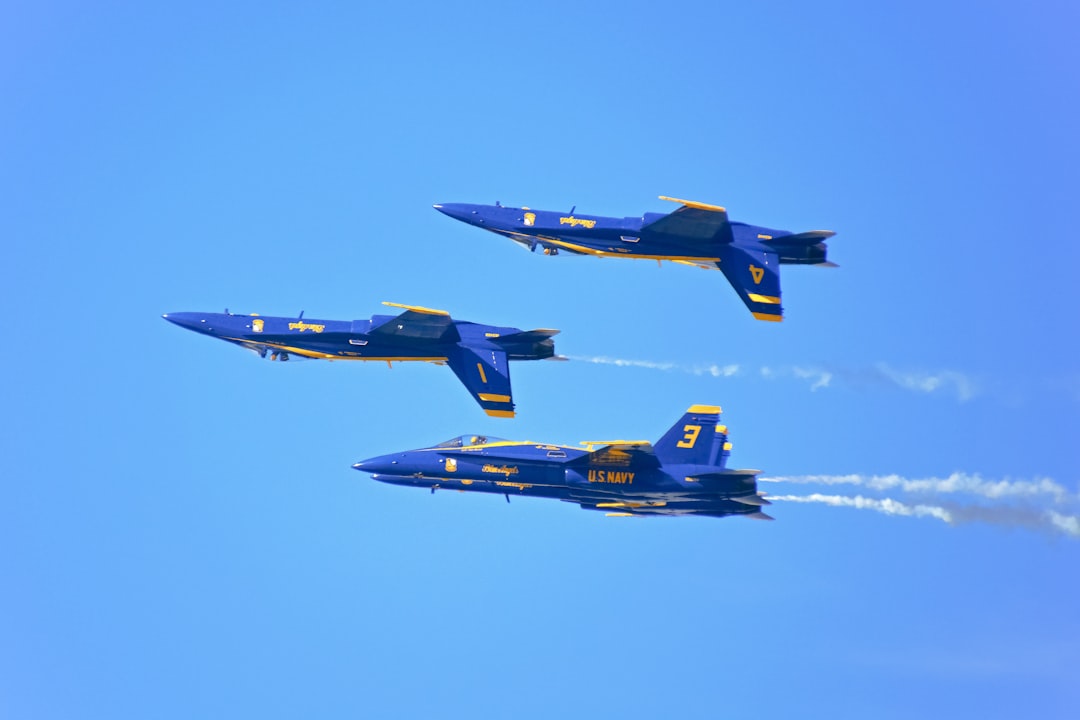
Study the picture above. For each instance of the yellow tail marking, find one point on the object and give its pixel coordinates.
(767, 316)
(500, 413)
(705, 409)
(767, 299)
(493, 397)
(483, 375)
(757, 273)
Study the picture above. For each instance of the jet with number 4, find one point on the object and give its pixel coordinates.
(478, 354)
(684, 473)
(696, 234)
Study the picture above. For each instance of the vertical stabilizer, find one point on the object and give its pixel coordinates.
(692, 439)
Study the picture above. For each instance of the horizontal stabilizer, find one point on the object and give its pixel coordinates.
(531, 335)
(759, 516)
(809, 237)
(752, 500)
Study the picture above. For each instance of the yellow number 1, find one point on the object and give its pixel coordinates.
(692, 431)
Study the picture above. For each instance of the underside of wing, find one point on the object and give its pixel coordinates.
(693, 221)
(419, 323)
(486, 375)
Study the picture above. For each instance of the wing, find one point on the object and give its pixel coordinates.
(485, 374)
(693, 221)
(419, 323)
(755, 275)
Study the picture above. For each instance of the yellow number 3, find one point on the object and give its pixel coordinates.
(692, 431)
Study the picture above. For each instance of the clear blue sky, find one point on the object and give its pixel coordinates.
(183, 535)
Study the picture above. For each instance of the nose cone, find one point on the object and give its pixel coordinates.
(472, 214)
(199, 322)
(382, 465)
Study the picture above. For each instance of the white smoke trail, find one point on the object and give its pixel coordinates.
(1005, 493)
(714, 369)
(962, 385)
(887, 506)
(821, 378)
(1068, 524)
(957, 483)
(880, 374)
(952, 514)
(621, 362)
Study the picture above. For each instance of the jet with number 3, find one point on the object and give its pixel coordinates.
(696, 234)
(684, 473)
(478, 354)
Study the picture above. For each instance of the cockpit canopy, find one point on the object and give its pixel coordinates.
(467, 440)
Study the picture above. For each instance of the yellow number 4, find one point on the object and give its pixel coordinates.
(692, 431)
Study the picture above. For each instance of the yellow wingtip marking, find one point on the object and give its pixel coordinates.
(767, 299)
(694, 204)
(417, 308)
(493, 397)
(705, 409)
(619, 514)
(500, 413)
(768, 317)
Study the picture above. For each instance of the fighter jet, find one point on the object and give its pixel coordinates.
(684, 473)
(478, 354)
(696, 234)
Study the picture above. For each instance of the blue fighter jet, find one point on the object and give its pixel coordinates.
(696, 234)
(684, 473)
(478, 354)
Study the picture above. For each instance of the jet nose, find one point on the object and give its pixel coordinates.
(381, 465)
(190, 321)
(462, 211)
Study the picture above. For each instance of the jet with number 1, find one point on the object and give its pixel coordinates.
(478, 354)
(696, 234)
(684, 473)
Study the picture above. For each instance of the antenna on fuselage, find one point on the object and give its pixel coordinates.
(301, 315)
(573, 209)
